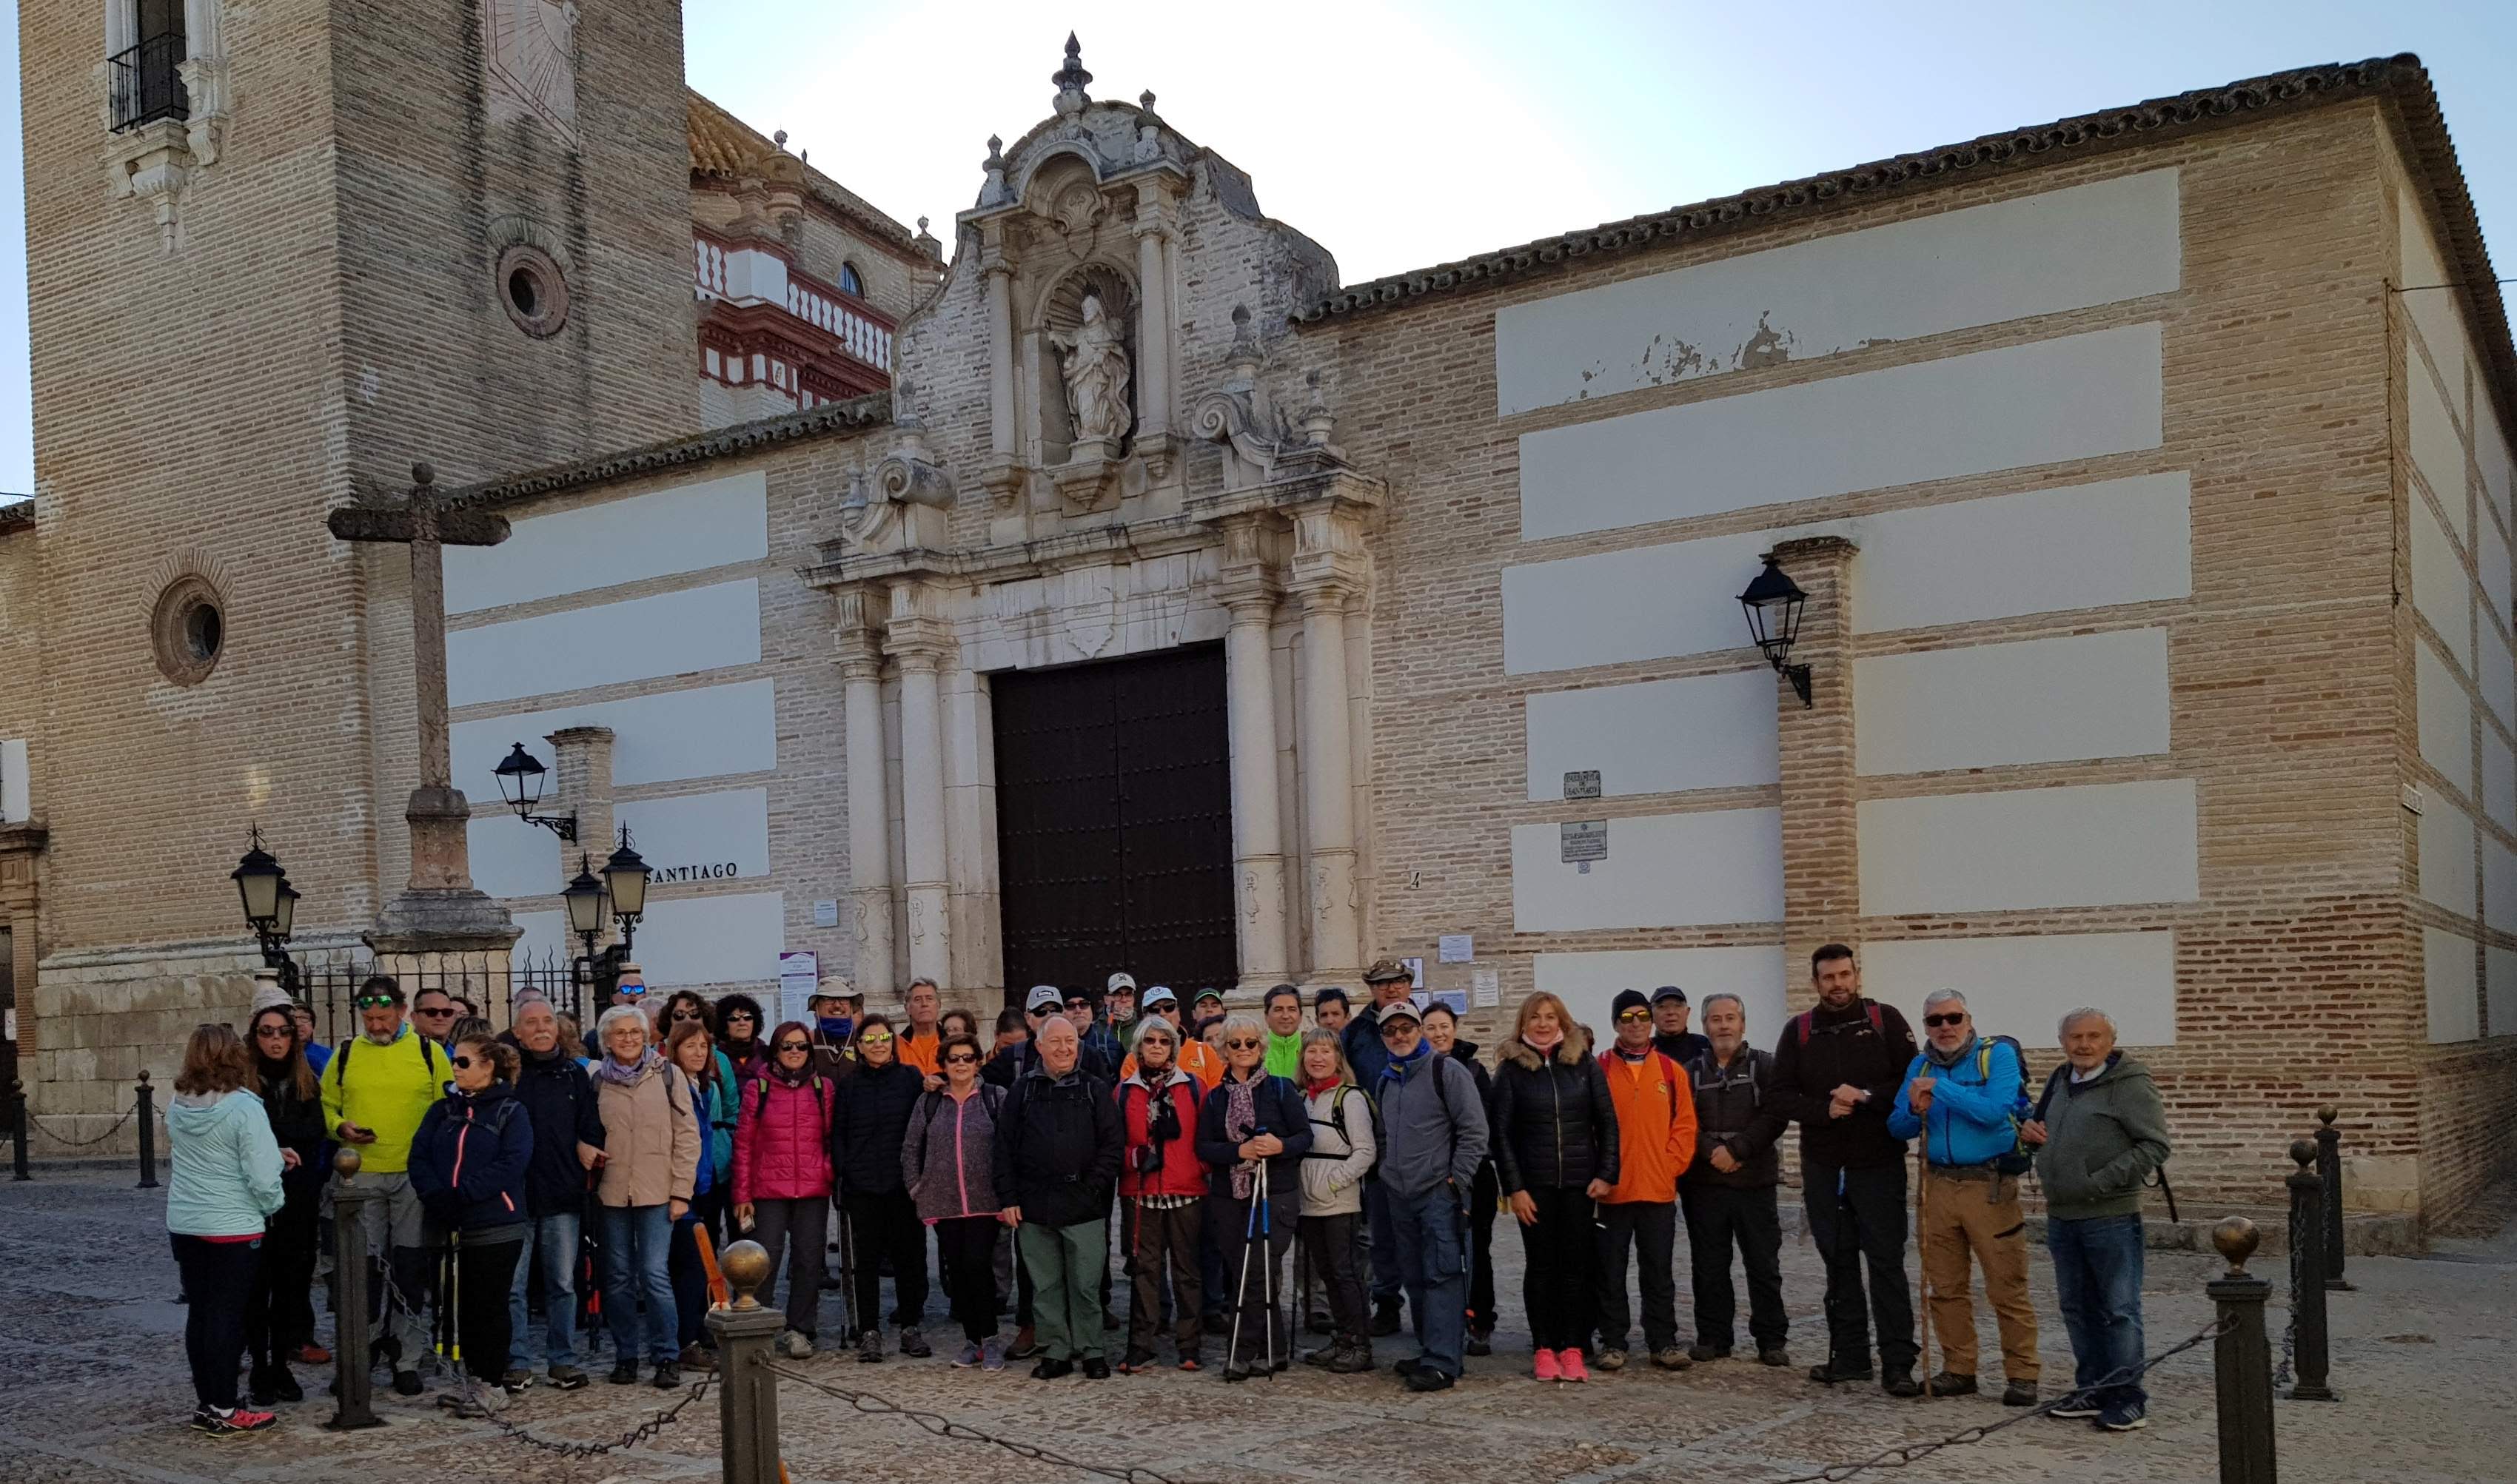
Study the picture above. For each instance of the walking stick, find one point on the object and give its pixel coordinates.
(1267, 1263)
(1241, 1289)
(848, 1274)
(1922, 1259)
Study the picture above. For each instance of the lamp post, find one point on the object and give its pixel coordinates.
(521, 776)
(622, 893)
(585, 903)
(1773, 603)
(270, 907)
(624, 877)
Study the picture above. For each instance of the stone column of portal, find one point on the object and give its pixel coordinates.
(1258, 834)
(1328, 782)
(1154, 325)
(1000, 363)
(869, 815)
(1821, 854)
(921, 793)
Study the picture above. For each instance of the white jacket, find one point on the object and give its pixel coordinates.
(1332, 1171)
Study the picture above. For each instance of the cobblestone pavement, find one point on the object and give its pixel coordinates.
(91, 1349)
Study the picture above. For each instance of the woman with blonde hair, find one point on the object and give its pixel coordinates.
(1555, 1132)
(223, 1184)
(1342, 1148)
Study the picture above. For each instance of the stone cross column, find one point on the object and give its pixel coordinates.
(1258, 834)
(1328, 780)
(869, 808)
(1821, 842)
(583, 759)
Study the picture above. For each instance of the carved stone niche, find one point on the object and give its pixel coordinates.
(1082, 356)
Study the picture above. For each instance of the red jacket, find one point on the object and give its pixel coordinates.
(782, 1140)
(1181, 1173)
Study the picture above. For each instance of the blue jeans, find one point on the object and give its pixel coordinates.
(1428, 1239)
(553, 1242)
(637, 1240)
(2097, 1281)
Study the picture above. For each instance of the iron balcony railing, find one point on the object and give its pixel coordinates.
(149, 83)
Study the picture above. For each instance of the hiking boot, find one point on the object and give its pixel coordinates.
(1235, 1370)
(1900, 1384)
(1403, 1369)
(1354, 1359)
(567, 1379)
(235, 1421)
(406, 1384)
(1427, 1379)
(668, 1375)
(1051, 1370)
(2019, 1394)
(515, 1380)
(1671, 1358)
(1831, 1374)
(1702, 1353)
(1096, 1370)
(1611, 1358)
(1951, 1384)
(913, 1344)
(1025, 1345)
(796, 1344)
(625, 1373)
(1480, 1343)
(699, 1357)
(1772, 1355)
(869, 1348)
(1385, 1317)
(1325, 1355)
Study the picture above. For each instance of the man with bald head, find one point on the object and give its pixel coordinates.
(1058, 1145)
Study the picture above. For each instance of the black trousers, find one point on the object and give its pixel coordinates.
(1482, 1197)
(1720, 1217)
(1650, 1227)
(886, 1229)
(1857, 1219)
(1557, 1283)
(1328, 1243)
(482, 1276)
(220, 1277)
(1254, 1268)
(281, 1316)
(965, 1249)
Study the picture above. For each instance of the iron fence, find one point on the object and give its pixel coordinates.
(490, 983)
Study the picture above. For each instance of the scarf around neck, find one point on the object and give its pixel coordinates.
(611, 1069)
(1945, 1059)
(1396, 1070)
(1544, 1046)
(1240, 1111)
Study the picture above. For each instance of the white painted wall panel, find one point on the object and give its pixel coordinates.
(2447, 856)
(2497, 670)
(2491, 453)
(1662, 870)
(2093, 845)
(687, 940)
(688, 529)
(2444, 716)
(697, 836)
(699, 628)
(2059, 250)
(2491, 558)
(2076, 397)
(1588, 983)
(656, 738)
(513, 859)
(2446, 974)
(2032, 701)
(2500, 990)
(1659, 737)
(2440, 588)
(2022, 986)
(2130, 541)
(2498, 779)
(2437, 451)
(2499, 884)
(16, 796)
(1642, 602)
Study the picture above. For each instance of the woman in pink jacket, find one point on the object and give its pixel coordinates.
(781, 1174)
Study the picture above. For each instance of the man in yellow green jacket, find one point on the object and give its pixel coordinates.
(376, 1087)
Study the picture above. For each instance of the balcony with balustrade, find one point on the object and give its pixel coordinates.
(766, 323)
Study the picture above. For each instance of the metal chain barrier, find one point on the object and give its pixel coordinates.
(1914, 1452)
(127, 1115)
(963, 1432)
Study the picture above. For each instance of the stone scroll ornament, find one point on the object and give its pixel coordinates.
(1096, 375)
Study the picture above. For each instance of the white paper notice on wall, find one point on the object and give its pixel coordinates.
(1585, 840)
(800, 972)
(1458, 947)
(826, 915)
(1415, 968)
(1485, 988)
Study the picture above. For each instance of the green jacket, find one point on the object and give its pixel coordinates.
(2103, 1137)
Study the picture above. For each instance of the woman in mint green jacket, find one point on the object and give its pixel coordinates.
(223, 1186)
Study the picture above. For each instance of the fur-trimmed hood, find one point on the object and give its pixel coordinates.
(1571, 1051)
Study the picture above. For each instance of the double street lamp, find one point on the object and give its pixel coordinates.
(622, 893)
(270, 907)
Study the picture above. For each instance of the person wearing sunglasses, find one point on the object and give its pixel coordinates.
(1637, 1217)
(1965, 1096)
(1432, 1138)
(1162, 1190)
(868, 1127)
(650, 1169)
(280, 1323)
(468, 1162)
(376, 1088)
(782, 1176)
(1193, 1057)
(1727, 1192)
(740, 1028)
(1839, 1065)
(948, 1160)
(1254, 1120)
(1083, 1009)
(433, 1013)
(1557, 1154)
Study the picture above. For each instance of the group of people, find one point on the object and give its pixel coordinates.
(1368, 1143)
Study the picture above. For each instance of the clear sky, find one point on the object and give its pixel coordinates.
(1403, 133)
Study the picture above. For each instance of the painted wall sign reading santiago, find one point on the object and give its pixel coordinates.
(710, 870)
(1585, 840)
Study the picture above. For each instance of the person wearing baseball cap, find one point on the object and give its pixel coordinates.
(1670, 1036)
(1041, 1004)
(1389, 983)
(1194, 1056)
(1118, 1006)
(1433, 1135)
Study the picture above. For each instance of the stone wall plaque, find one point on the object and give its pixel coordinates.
(1584, 785)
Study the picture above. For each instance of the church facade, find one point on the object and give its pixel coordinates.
(1163, 603)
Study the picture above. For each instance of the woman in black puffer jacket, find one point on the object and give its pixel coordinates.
(869, 1126)
(1555, 1137)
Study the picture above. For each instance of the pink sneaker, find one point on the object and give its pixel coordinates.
(1545, 1368)
(1569, 1363)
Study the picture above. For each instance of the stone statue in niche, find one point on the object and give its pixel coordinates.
(1095, 362)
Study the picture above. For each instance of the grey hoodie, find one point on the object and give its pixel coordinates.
(1432, 1127)
(2103, 1137)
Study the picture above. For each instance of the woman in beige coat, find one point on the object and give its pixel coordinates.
(651, 1156)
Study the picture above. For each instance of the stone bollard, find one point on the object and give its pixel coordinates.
(2329, 1167)
(147, 1116)
(18, 1131)
(2243, 1361)
(2307, 1277)
(353, 1407)
(747, 1393)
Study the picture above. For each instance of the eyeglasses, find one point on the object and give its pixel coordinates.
(1241, 1044)
(794, 1047)
(1626, 1015)
(461, 1062)
(961, 1059)
(1936, 1021)
(373, 1002)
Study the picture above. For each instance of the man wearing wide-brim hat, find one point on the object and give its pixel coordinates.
(835, 1005)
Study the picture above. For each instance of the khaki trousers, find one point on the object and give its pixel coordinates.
(1980, 1216)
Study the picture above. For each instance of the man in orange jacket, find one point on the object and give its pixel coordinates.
(1657, 1139)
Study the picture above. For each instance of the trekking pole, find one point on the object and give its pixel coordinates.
(1267, 1263)
(1923, 1262)
(1241, 1289)
(848, 1274)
